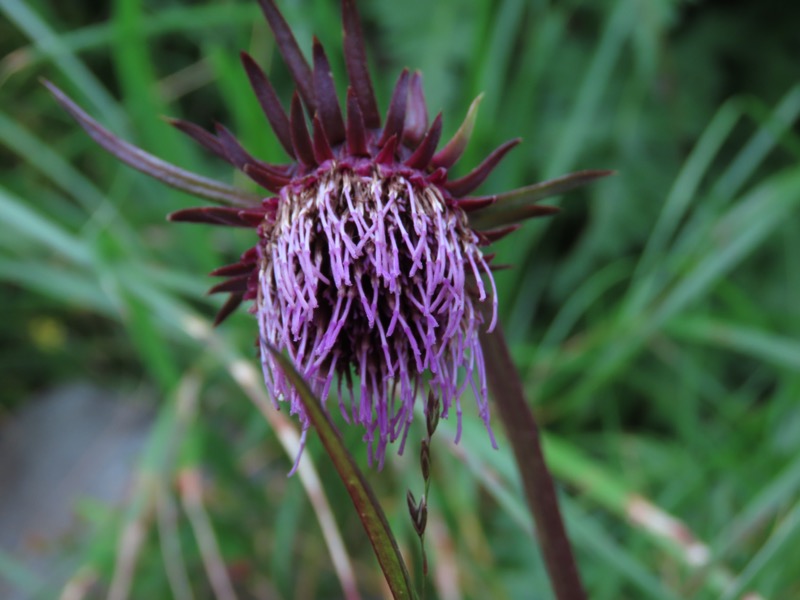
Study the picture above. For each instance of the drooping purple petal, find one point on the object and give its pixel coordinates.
(148, 164)
(269, 102)
(464, 185)
(287, 45)
(356, 62)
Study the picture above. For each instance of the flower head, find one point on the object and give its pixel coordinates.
(367, 268)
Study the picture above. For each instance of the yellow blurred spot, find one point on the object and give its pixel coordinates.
(47, 333)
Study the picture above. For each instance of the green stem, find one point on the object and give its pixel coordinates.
(365, 502)
(540, 490)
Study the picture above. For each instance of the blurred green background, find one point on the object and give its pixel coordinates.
(656, 321)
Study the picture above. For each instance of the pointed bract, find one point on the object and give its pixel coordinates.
(488, 219)
(218, 215)
(464, 185)
(327, 103)
(287, 45)
(265, 178)
(322, 147)
(520, 204)
(269, 102)
(235, 152)
(234, 284)
(489, 236)
(476, 203)
(396, 115)
(417, 114)
(355, 59)
(148, 164)
(356, 130)
(239, 268)
(201, 136)
(300, 140)
(424, 152)
(552, 187)
(449, 155)
(386, 155)
(231, 304)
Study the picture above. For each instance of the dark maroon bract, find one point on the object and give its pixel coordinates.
(367, 269)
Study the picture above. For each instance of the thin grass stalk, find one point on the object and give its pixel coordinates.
(249, 380)
(191, 492)
(133, 537)
(369, 510)
(540, 491)
(174, 563)
(79, 585)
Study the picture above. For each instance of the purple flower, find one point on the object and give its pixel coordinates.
(371, 267)
(368, 267)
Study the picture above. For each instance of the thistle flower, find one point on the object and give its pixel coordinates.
(368, 259)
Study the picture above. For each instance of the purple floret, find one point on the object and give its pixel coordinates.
(378, 275)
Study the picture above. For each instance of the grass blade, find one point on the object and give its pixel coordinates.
(369, 510)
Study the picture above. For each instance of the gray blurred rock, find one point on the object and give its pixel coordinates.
(72, 443)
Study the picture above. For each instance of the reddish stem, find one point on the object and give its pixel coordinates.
(540, 490)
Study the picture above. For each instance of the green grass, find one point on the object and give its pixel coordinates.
(656, 320)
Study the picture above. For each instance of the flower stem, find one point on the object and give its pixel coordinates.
(540, 491)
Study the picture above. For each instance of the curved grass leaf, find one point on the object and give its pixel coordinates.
(518, 205)
(148, 164)
(364, 500)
